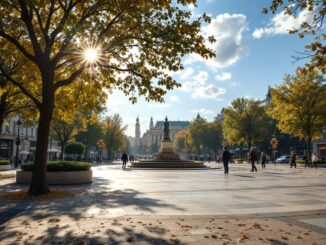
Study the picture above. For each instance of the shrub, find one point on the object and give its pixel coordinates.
(300, 161)
(60, 166)
(75, 148)
(318, 162)
(4, 162)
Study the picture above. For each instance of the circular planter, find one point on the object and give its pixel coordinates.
(58, 178)
(5, 167)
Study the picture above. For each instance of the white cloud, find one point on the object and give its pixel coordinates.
(174, 98)
(202, 111)
(191, 6)
(223, 76)
(228, 29)
(199, 88)
(281, 23)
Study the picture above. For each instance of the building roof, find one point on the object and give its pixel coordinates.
(181, 124)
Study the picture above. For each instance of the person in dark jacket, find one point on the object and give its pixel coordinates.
(263, 160)
(293, 160)
(124, 159)
(306, 162)
(225, 159)
(253, 159)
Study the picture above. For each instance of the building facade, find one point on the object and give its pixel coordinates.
(28, 137)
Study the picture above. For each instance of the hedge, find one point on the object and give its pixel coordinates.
(4, 162)
(303, 162)
(60, 166)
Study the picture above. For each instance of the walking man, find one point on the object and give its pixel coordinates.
(226, 158)
(124, 159)
(314, 160)
(253, 159)
(263, 160)
(293, 160)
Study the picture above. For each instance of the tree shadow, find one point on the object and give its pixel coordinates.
(89, 200)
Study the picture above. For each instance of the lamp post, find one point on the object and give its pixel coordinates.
(17, 143)
(100, 145)
(274, 144)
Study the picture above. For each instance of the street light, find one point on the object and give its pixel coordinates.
(17, 143)
(100, 145)
(274, 144)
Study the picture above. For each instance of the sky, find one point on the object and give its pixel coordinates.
(253, 51)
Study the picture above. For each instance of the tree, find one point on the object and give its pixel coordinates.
(75, 148)
(153, 148)
(179, 142)
(90, 136)
(244, 122)
(12, 100)
(213, 136)
(183, 142)
(299, 106)
(313, 25)
(65, 129)
(136, 41)
(114, 134)
(197, 133)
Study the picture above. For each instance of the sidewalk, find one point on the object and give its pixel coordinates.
(277, 205)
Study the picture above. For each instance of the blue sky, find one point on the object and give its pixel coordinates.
(253, 51)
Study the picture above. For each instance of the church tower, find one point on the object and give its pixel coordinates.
(151, 124)
(137, 137)
(137, 129)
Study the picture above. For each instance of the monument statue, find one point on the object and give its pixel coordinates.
(166, 157)
(166, 129)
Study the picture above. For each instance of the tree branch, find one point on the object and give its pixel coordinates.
(70, 79)
(21, 87)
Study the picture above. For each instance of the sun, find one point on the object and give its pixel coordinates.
(91, 55)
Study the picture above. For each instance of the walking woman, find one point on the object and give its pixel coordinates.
(293, 160)
(253, 159)
(314, 160)
(263, 160)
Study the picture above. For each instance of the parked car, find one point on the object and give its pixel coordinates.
(283, 159)
(299, 158)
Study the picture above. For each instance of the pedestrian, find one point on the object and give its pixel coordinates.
(226, 158)
(314, 160)
(306, 161)
(263, 160)
(218, 158)
(253, 159)
(209, 158)
(293, 160)
(124, 159)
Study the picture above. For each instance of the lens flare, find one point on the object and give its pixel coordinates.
(91, 55)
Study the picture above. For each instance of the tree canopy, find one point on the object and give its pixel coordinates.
(114, 137)
(245, 122)
(137, 42)
(299, 105)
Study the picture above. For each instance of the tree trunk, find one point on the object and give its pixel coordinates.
(62, 151)
(309, 148)
(39, 183)
(3, 110)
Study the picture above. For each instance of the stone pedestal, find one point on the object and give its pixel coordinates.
(166, 152)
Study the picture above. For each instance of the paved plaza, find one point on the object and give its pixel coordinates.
(175, 206)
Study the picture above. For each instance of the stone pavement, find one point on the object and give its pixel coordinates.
(277, 198)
